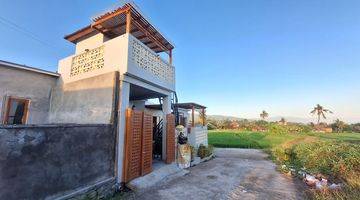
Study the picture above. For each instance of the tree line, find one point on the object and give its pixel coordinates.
(262, 125)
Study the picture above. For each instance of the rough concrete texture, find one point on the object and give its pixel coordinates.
(87, 101)
(100, 190)
(163, 173)
(30, 85)
(42, 161)
(233, 174)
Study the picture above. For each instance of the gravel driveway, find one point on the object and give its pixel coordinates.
(233, 174)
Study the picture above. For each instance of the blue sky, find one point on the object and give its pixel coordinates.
(237, 57)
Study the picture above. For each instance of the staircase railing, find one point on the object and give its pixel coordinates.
(174, 106)
(157, 137)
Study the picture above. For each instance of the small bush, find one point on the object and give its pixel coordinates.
(211, 126)
(338, 160)
(193, 152)
(204, 151)
(289, 128)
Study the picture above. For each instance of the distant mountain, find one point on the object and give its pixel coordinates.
(291, 119)
(223, 117)
(271, 119)
(287, 118)
(306, 120)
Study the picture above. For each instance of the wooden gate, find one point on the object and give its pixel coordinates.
(147, 144)
(170, 138)
(138, 144)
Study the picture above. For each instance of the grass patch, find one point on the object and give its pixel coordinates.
(335, 155)
(254, 140)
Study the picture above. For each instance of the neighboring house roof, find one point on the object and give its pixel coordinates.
(189, 105)
(25, 67)
(112, 23)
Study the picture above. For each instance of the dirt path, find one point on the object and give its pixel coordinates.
(233, 174)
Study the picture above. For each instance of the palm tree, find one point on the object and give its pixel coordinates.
(320, 111)
(264, 114)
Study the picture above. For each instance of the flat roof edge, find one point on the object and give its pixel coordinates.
(25, 67)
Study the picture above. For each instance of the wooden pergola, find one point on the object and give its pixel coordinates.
(189, 106)
(193, 106)
(126, 19)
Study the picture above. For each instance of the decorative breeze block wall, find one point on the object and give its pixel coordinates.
(88, 61)
(151, 62)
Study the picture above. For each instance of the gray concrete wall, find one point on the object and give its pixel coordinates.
(87, 101)
(41, 161)
(27, 84)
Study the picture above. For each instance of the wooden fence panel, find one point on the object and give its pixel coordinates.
(133, 144)
(147, 143)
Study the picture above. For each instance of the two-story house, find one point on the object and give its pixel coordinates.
(117, 66)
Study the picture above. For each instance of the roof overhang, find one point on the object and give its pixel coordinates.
(188, 106)
(113, 23)
(27, 68)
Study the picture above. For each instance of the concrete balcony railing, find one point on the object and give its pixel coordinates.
(125, 54)
(146, 64)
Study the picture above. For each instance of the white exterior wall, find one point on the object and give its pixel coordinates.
(153, 72)
(198, 135)
(90, 42)
(125, 54)
(115, 59)
(139, 105)
(155, 113)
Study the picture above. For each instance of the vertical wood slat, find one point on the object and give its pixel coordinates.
(127, 145)
(138, 145)
(170, 138)
(147, 143)
(133, 153)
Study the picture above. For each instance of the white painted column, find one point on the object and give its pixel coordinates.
(166, 107)
(124, 104)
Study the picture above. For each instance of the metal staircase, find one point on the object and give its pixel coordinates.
(174, 107)
(157, 138)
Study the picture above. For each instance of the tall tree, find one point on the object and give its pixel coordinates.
(338, 126)
(320, 112)
(264, 114)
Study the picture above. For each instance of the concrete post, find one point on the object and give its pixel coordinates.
(124, 104)
(166, 107)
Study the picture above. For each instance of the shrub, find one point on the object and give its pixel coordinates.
(204, 151)
(193, 152)
(277, 129)
(211, 126)
(338, 160)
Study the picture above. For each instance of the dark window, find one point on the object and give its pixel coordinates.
(16, 111)
(182, 120)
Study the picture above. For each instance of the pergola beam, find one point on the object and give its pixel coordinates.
(203, 117)
(193, 116)
(148, 34)
(134, 22)
(170, 57)
(128, 21)
(114, 14)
